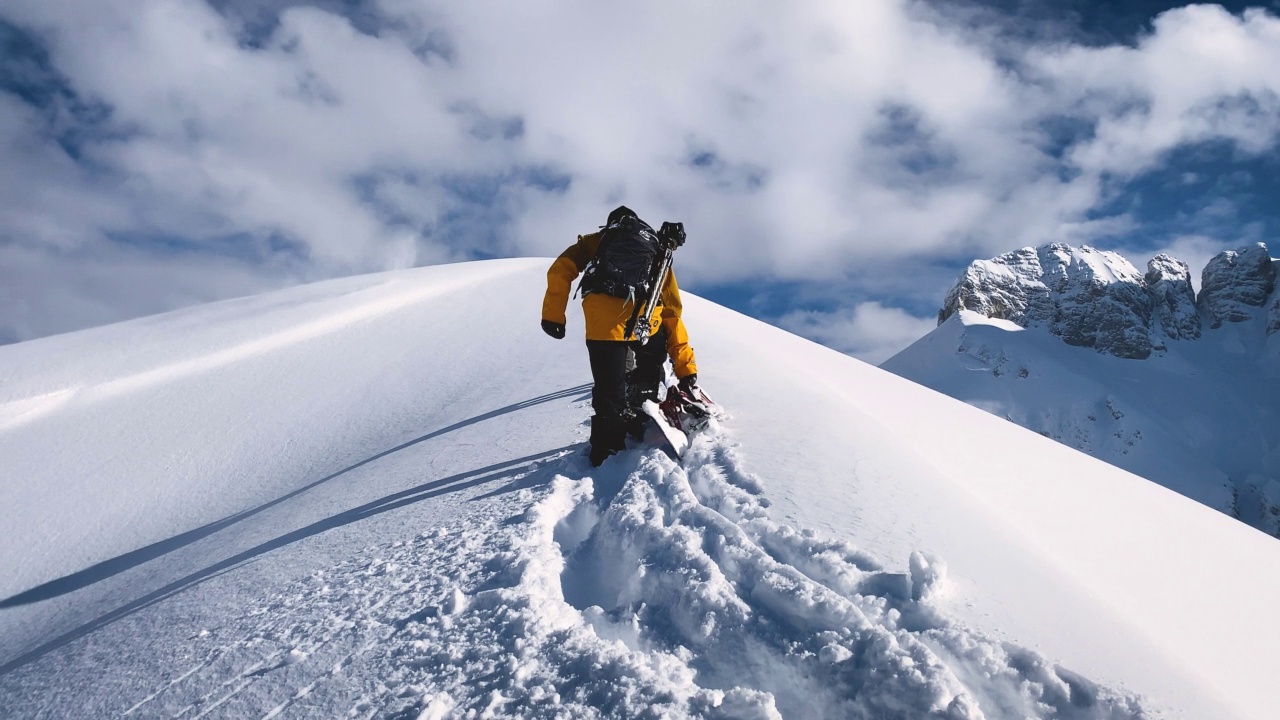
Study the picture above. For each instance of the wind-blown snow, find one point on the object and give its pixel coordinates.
(368, 498)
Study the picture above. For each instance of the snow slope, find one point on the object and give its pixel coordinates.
(1191, 407)
(367, 498)
(1199, 417)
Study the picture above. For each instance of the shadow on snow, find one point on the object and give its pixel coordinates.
(507, 469)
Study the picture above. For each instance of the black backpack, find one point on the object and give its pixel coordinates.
(623, 265)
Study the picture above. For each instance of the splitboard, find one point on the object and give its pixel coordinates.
(680, 416)
(676, 438)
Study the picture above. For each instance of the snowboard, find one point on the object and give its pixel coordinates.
(680, 416)
(675, 437)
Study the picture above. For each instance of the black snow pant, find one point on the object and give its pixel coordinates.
(625, 373)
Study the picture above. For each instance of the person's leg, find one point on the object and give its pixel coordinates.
(644, 379)
(608, 398)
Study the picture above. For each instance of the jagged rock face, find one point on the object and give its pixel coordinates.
(1235, 284)
(1168, 282)
(1097, 299)
(1087, 297)
(1273, 318)
(1008, 287)
(1101, 300)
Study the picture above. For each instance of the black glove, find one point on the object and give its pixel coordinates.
(692, 401)
(554, 329)
(673, 233)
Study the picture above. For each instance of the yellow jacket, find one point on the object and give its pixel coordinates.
(606, 316)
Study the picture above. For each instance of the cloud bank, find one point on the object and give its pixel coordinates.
(162, 152)
(870, 331)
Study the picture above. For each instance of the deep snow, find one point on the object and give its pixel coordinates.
(368, 498)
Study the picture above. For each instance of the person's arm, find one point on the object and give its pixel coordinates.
(563, 272)
(678, 347)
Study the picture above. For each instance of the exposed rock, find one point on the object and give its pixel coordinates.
(1168, 281)
(1101, 299)
(1235, 284)
(1008, 287)
(1273, 318)
(1095, 298)
(1087, 297)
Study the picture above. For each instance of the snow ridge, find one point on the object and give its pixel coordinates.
(680, 597)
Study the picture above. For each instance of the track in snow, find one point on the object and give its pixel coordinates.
(680, 598)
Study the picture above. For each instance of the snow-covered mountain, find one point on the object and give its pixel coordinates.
(369, 498)
(1133, 368)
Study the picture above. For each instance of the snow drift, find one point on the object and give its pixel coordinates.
(368, 498)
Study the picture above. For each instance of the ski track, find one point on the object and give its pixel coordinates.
(679, 598)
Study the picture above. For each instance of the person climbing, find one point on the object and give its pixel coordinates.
(621, 264)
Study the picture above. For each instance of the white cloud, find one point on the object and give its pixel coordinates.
(833, 135)
(868, 331)
(43, 294)
(1202, 74)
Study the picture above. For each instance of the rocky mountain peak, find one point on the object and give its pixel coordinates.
(1168, 282)
(1098, 299)
(1235, 284)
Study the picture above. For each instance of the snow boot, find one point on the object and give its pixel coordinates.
(608, 436)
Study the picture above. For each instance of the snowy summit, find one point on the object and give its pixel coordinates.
(1088, 297)
(370, 498)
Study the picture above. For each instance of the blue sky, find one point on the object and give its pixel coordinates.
(837, 164)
